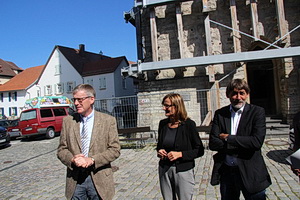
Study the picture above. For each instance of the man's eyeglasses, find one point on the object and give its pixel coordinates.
(80, 100)
(167, 106)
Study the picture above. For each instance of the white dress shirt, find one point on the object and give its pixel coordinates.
(90, 124)
(235, 121)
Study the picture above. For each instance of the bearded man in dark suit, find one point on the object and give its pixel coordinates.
(237, 134)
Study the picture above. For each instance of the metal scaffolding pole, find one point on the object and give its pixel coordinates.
(214, 59)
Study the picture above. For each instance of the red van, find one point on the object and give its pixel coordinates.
(43, 121)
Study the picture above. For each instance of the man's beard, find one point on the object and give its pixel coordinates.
(238, 105)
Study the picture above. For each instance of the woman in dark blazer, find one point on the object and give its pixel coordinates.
(178, 146)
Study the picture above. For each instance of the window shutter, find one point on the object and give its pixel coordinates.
(56, 89)
(62, 87)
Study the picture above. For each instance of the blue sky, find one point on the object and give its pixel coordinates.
(30, 29)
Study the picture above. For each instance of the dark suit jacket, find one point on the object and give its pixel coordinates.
(296, 125)
(187, 141)
(245, 145)
(104, 148)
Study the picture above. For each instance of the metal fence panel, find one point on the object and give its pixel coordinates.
(145, 109)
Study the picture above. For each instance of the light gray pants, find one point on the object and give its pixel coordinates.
(172, 183)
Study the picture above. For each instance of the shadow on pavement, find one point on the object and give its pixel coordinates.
(279, 155)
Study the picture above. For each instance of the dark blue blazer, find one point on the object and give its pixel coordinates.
(245, 145)
(187, 141)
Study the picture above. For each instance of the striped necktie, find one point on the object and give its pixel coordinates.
(84, 139)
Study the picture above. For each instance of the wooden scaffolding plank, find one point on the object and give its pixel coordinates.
(235, 26)
(180, 30)
(153, 35)
(281, 18)
(254, 18)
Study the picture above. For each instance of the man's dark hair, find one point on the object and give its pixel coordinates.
(237, 84)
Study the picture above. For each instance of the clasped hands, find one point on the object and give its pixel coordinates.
(172, 155)
(223, 136)
(81, 161)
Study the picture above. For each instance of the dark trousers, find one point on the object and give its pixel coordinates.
(232, 184)
(85, 189)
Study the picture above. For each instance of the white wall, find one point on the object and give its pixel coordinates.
(51, 77)
(4, 79)
(119, 89)
(102, 93)
(6, 104)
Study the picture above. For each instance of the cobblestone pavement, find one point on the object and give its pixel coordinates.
(30, 170)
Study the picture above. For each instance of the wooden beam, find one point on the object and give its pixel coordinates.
(236, 35)
(254, 18)
(211, 68)
(281, 18)
(208, 35)
(153, 32)
(180, 30)
(139, 43)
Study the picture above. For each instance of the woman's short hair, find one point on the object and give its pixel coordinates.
(178, 103)
(239, 84)
(88, 89)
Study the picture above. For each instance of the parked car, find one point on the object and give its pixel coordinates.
(13, 128)
(4, 123)
(42, 121)
(4, 137)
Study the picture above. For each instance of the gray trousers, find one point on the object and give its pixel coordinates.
(172, 183)
(86, 190)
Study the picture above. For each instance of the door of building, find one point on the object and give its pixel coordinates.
(261, 81)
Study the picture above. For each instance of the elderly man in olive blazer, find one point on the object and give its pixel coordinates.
(88, 176)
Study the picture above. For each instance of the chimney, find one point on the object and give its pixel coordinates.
(81, 49)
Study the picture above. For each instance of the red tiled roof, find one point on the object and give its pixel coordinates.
(7, 68)
(131, 62)
(23, 80)
(107, 65)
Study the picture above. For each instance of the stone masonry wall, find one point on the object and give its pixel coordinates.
(286, 71)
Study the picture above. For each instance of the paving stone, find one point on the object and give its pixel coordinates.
(30, 170)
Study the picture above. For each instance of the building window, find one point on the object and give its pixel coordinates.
(57, 69)
(14, 96)
(59, 88)
(90, 81)
(13, 111)
(48, 90)
(2, 116)
(70, 86)
(102, 81)
(1, 97)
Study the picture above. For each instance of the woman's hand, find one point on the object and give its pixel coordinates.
(174, 155)
(162, 154)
